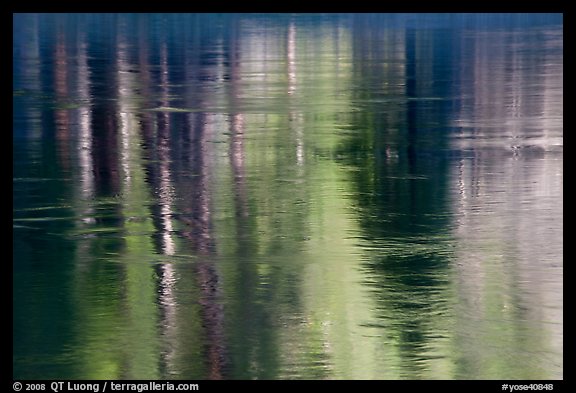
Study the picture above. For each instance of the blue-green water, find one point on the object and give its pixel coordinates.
(287, 196)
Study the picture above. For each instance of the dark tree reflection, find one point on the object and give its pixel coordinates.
(402, 189)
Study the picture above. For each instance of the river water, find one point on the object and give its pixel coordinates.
(287, 196)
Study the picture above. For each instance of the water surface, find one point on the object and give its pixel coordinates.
(287, 196)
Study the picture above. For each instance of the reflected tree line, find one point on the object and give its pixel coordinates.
(143, 186)
(182, 219)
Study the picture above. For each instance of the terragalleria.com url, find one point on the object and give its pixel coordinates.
(141, 387)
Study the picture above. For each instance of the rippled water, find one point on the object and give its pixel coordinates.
(288, 196)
